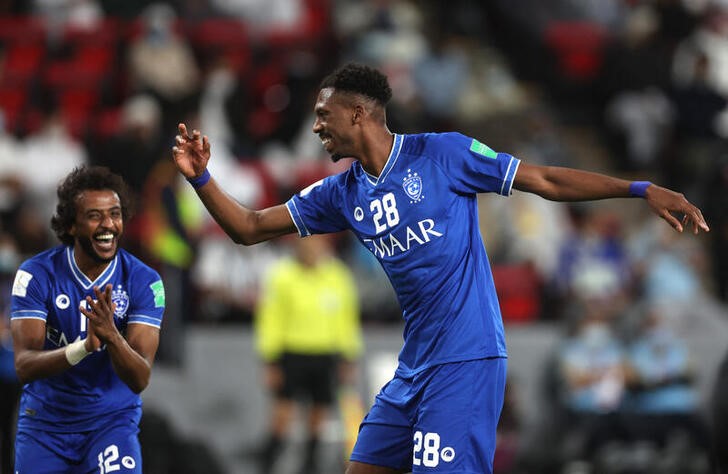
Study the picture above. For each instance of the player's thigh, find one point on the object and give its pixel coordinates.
(385, 434)
(457, 418)
(115, 448)
(40, 453)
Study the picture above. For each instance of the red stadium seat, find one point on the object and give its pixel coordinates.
(106, 123)
(78, 99)
(215, 37)
(23, 61)
(13, 100)
(219, 33)
(519, 292)
(94, 59)
(579, 47)
(22, 29)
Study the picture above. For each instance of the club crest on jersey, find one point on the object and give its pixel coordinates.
(121, 300)
(412, 185)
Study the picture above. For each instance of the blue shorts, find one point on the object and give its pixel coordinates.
(113, 449)
(441, 420)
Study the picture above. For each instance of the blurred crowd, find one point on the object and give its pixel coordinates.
(635, 87)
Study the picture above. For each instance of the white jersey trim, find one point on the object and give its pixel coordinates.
(85, 281)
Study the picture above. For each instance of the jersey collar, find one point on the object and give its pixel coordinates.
(391, 160)
(85, 281)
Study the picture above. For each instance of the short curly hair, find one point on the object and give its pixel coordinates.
(81, 179)
(360, 79)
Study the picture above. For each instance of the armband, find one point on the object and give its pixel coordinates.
(638, 188)
(76, 352)
(201, 180)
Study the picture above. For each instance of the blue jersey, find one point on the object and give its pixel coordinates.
(420, 220)
(50, 287)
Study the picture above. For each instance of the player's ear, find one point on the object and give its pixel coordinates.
(357, 114)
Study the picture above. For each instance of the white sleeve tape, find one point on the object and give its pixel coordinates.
(76, 351)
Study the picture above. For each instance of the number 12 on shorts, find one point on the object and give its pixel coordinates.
(427, 451)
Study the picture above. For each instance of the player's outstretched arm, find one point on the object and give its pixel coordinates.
(568, 184)
(191, 154)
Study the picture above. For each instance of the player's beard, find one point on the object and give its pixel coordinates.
(336, 157)
(88, 248)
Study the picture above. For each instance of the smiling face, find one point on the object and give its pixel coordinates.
(99, 224)
(334, 124)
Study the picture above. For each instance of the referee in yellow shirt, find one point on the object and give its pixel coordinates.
(308, 335)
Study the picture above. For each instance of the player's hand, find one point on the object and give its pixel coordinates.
(667, 204)
(191, 152)
(100, 315)
(93, 343)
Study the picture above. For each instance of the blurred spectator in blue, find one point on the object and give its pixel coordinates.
(663, 400)
(591, 372)
(593, 261)
(9, 384)
(440, 75)
(668, 268)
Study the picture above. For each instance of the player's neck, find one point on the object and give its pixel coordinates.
(90, 267)
(376, 150)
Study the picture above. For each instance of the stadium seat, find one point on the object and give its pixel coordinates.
(94, 59)
(213, 37)
(106, 123)
(22, 29)
(579, 47)
(23, 61)
(13, 100)
(219, 33)
(519, 292)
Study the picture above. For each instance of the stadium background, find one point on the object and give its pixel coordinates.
(636, 88)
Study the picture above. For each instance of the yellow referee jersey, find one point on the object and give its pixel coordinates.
(308, 310)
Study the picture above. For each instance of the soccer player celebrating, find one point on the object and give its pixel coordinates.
(411, 200)
(85, 319)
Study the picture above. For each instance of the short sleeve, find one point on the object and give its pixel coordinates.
(29, 295)
(149, 301)
(472, 166)
(316, 209)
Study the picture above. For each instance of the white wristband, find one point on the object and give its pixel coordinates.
(76, 351)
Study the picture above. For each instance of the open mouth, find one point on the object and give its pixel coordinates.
(104, 241)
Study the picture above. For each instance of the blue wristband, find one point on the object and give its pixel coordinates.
(201, 180)
(638, 188)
